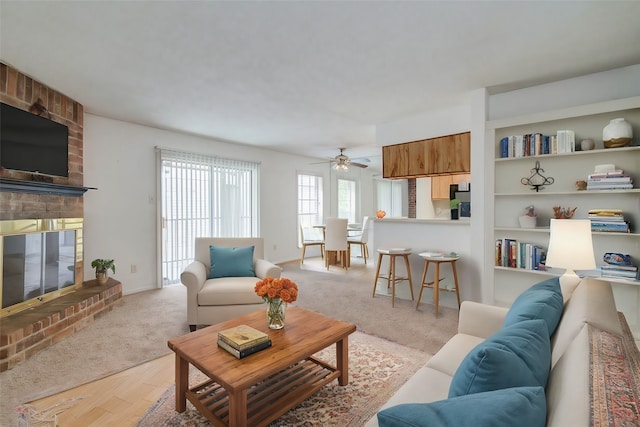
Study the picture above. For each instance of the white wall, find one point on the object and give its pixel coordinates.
(121, 216)
(613, 84)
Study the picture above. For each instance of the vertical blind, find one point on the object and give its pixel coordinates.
(203, 196)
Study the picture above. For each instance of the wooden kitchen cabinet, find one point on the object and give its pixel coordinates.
(395, 161)
(444, 155)
(440, 184)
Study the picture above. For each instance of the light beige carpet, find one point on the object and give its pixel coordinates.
(346, 295)
(139, 326)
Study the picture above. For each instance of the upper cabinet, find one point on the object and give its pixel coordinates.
(440, 185)
(444, 155)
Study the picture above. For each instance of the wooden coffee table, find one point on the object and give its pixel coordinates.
(257, 389)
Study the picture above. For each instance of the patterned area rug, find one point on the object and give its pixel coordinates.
(377, 368)
(615, 378)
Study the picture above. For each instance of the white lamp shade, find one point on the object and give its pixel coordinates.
(570, 245)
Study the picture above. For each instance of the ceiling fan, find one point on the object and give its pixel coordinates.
(342, 161)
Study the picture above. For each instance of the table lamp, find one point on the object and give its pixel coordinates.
(571, 248)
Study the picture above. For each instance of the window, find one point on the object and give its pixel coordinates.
(203, 196)
(347, 200)
(390, 197)
(309, 201)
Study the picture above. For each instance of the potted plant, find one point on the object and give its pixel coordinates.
(102, 266)
(453, 205)
(529, 219)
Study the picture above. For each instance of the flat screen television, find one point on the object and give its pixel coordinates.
(32, 143)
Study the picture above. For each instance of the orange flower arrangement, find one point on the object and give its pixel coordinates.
(270, 288)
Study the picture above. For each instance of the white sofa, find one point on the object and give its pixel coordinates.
(211, 301)
(568, 401)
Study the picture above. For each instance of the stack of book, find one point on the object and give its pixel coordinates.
(620, 271)
(611, 180)
(243, 340)
(608, 220)
(619, 265)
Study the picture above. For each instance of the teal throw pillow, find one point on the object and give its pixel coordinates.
(231, 262)
(541, 301)
(518, 355)
(519, 406)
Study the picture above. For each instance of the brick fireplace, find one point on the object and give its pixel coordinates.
(28, 331)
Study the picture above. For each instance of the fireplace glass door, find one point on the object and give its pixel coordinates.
(35, 264)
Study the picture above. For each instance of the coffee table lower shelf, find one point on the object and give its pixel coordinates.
(270, 398)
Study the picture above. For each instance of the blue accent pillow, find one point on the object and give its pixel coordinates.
(519, 406)
(231, 262)
(515, 356)
(541, 301)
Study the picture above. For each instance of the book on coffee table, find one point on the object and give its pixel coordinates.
(242, 337)
(239, 354)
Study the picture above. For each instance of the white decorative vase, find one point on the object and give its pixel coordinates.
(527, 221)
(618, 133)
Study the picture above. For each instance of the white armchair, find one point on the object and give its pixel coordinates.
(211, 301)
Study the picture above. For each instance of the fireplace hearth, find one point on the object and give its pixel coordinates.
(25, 333)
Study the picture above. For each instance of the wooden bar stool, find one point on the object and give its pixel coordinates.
(437, 259)
(391, 276)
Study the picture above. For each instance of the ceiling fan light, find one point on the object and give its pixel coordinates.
(341, 167)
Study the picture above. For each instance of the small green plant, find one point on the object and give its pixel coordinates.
(453, 203)
(102, 265)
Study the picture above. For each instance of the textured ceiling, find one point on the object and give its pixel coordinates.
(302, 76)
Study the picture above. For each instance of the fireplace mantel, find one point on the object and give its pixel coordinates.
(35, 187)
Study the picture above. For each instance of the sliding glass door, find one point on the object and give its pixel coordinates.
(203, 196)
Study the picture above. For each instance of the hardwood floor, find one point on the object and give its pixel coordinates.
(118, 400)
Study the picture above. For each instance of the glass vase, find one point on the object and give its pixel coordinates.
(276, 309)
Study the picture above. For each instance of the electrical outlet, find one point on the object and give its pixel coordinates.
(134, 268)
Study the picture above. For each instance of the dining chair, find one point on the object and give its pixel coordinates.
(335, 241)
(361, 239)
(311, 237)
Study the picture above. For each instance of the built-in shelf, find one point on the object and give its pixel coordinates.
(35, 187)
(556, 272)
(571, 193)
(546, 230)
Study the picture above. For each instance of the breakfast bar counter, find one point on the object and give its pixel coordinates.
(430, 235)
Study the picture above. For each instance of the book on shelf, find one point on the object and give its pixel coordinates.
(606, 177)
(606, 213)
(242, 337)
(514, 254)
(532, 144)
(625, 272)
(608, 220)
(239, 354)
(566, 141)
(616, 180)
(615, 267)
(619, 227)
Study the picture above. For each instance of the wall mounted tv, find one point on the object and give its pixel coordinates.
(32, 143)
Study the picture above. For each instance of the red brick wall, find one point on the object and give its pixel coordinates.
(411, 188)
(22, 91)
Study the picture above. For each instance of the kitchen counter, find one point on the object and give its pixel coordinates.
(439, 221)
